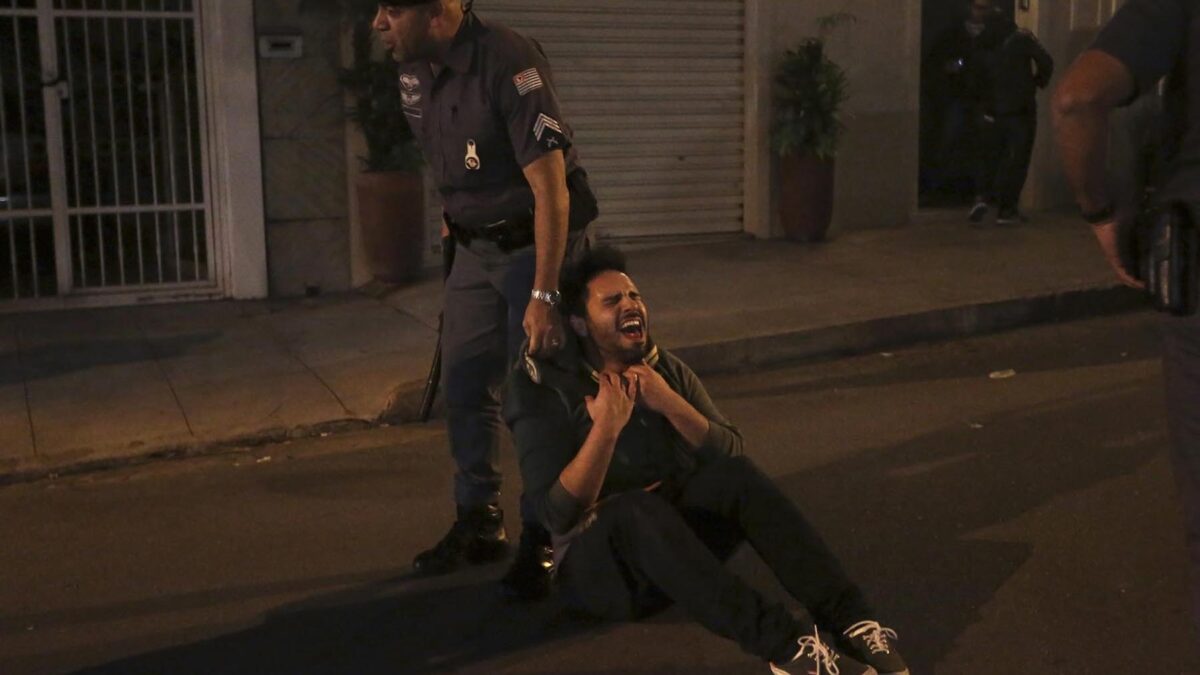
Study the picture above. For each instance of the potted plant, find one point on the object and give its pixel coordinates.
(809, 92)
(390, 189)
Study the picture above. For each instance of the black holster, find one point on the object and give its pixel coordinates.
(1168, 253)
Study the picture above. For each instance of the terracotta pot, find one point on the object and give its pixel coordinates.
(391, 212)
(805, 197)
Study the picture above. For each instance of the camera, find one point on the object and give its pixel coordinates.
(1168, 245)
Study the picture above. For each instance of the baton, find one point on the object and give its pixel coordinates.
(435, 368)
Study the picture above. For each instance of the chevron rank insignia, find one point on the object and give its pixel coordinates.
(545, 122)
(527, 81)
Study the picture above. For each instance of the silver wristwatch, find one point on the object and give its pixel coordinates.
(551, 298)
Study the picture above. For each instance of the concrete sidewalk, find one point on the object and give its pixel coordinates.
(87, 388)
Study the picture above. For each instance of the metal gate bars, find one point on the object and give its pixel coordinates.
(104, 181)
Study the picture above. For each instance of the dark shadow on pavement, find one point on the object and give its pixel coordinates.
(904, 519)
(380, 628)
(80, 354)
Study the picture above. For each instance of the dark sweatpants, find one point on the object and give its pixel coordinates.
(1181, 366)
(645, 550)
(1007, 148)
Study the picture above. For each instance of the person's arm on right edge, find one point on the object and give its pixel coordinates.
(1136, 49)
(610, 411)
(1093, 86)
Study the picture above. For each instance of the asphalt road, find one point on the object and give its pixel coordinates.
(1019, 524)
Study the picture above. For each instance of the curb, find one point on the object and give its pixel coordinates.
(897, 331)
(707, 359)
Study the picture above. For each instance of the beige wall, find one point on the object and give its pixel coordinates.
(877, 166)
(1066, 28)
(304, 154)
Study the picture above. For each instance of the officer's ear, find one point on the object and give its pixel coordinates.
(578, 324)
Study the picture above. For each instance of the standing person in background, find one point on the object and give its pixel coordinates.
(481, 102)
(955, 88)
(1014, 66)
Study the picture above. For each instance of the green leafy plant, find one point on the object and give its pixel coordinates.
(372, 79)
(809, 92)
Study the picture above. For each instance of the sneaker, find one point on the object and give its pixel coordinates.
(1010, 216)
(978, 212)
(477, 537)
(815, 658)
(531, 573)
(870, 643)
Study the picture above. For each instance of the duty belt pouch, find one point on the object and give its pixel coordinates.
(584, 208)
(1168, 249)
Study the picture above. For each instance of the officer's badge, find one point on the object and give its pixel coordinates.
(472, 158)
(410, 98)
(409, 82)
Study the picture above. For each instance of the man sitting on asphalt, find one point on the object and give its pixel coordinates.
(643, 485)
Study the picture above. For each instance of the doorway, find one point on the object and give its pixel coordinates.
(947, 133)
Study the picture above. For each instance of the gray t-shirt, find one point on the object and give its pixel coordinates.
(1156, 39)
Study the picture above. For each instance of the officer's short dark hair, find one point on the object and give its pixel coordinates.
(405, 3)
(579, 274)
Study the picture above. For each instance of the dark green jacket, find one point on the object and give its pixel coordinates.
(544, 406)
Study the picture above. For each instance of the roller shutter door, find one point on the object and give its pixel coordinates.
(654, 91)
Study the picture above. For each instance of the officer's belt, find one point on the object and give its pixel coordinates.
(508, 234)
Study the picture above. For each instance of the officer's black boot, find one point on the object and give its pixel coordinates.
(530, 574)
(477, 537)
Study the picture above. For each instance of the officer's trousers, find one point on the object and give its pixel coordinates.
(645, 550)
(1181, 367)
(487, 293)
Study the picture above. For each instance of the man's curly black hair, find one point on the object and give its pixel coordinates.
(579, 274)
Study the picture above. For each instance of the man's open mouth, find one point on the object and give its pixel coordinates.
(633, 327)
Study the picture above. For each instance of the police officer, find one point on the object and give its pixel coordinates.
(1145, 41)
(481, 102)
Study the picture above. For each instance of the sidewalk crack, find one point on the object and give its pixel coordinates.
(25, 385)
(287, 348)
(166, 378)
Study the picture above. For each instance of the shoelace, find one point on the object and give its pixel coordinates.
(822, 655)
(875, 635)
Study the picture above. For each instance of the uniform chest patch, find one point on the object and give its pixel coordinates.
(527, 81)
(409, 82)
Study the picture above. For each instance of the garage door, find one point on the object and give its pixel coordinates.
(654, 90)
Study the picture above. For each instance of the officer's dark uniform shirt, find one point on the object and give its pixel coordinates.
(489, 112)
(1153, 39)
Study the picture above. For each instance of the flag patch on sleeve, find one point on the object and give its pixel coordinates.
(527, 81)
(543, 123)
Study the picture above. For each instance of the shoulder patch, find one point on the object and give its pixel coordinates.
(545, 123)
(527, 81)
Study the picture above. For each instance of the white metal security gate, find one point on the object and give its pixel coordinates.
(104, 181)
(655, 92)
